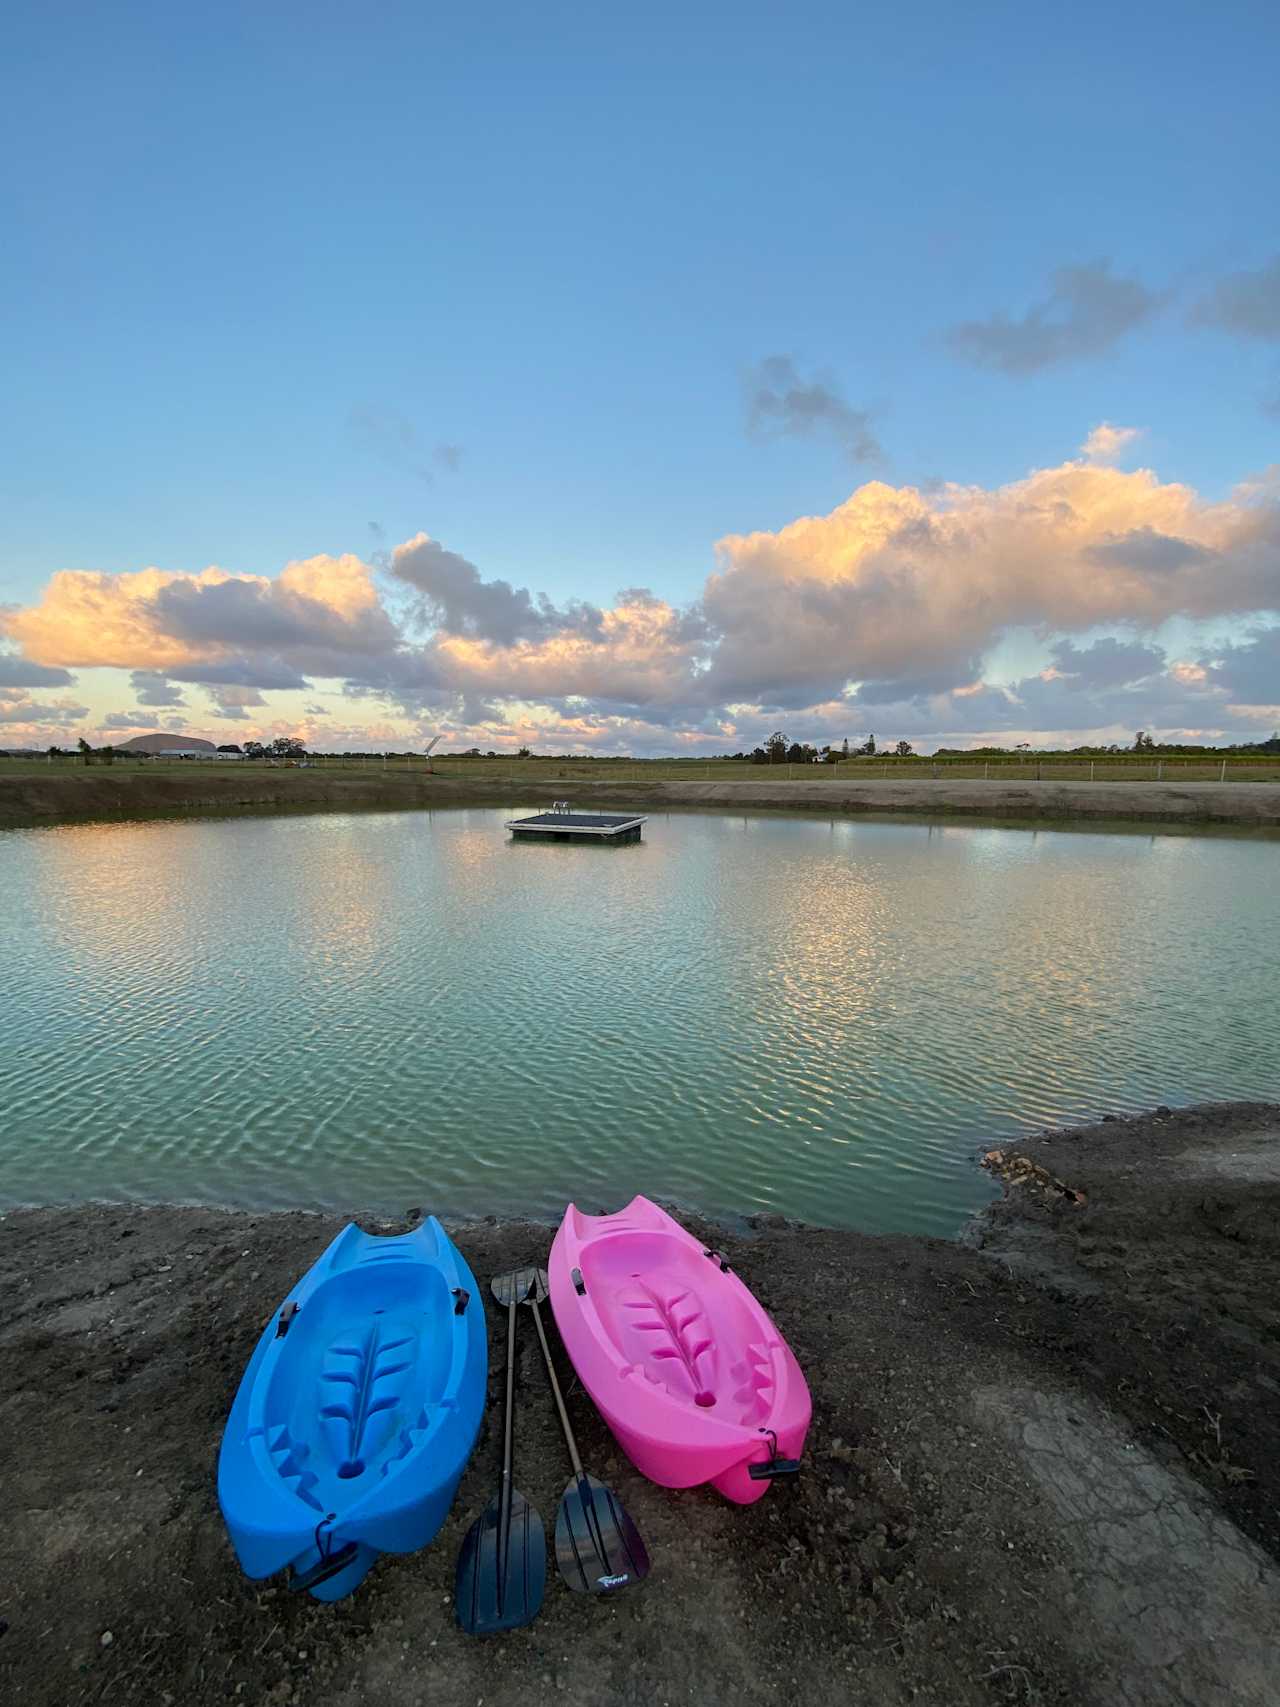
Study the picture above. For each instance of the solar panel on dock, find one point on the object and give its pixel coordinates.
(570, 826)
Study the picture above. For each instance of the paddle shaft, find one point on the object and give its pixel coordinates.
(570, 1442)
(508, 1445)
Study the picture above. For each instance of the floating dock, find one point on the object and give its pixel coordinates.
(562, 825)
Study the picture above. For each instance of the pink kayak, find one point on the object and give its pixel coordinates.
(683, 1364)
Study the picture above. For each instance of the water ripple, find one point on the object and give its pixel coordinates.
(819, 1019)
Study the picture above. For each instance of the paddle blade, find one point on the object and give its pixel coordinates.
(523, 1284)
(598, 1548)
(492, 1594)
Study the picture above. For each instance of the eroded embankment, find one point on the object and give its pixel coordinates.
(108, 793)
(1045, 1470)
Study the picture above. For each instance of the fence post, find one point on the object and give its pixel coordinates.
(1159, 770)
(1223, 774)
(1090, 770)
(986, 772)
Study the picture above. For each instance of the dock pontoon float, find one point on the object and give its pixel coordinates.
(561, 824)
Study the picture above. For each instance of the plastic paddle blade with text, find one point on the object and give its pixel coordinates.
(598, 1548)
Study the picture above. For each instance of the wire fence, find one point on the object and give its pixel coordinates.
(536, 774)
(908, 770)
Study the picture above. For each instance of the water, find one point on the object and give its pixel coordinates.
(820, 1019)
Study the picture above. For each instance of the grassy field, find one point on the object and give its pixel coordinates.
(539, 775)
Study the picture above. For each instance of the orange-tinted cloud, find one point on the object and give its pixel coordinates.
(901, 588)
(86, 617)
(1109, 443)
(896, 598)
(160, 620)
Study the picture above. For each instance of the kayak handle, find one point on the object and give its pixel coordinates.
(773, 1465)
(325, 1568)
(718, 1258)
(328, 1564)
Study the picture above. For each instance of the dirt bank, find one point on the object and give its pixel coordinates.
(1043, 1468)
(106, 793)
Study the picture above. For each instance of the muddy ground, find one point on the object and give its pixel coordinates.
(1044, 1465)
(107, 792)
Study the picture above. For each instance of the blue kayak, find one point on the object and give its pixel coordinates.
(358, 1411)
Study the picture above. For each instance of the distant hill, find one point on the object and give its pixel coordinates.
(165, 744)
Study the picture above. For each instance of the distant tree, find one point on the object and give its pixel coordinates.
(287, 747)
(903, 749)
(1271, 746)
(86, 751)
(795, 754)
(107, 755)
(844, 750)
(524, 753)
(254, 749)
(830, 756)
(759, 756)
(230, 747)
(1143, 743)
(54, 752)
(776, 747)
(868, 747)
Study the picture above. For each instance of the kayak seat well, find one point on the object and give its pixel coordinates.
(357, 1411)
(355, 1382)
(678, 1322)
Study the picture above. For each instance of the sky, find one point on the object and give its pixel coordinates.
(640, 380)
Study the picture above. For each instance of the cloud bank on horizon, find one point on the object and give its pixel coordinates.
(884, 614)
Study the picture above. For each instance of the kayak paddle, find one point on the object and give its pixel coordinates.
(502, 1566)
(598, 1548)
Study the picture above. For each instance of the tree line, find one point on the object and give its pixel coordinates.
(1143, 743)
(283, 747)
(778, 750)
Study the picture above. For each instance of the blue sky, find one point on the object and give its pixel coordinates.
(289, 282)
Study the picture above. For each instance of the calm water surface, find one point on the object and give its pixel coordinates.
(820, 1019)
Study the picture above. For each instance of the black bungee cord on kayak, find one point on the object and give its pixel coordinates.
(329, 1563)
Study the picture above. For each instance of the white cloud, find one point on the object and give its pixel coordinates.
(1108, 443)
(897, 599)
(908, 591)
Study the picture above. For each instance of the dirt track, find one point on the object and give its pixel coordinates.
(1044, 1467)
(108, 793)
